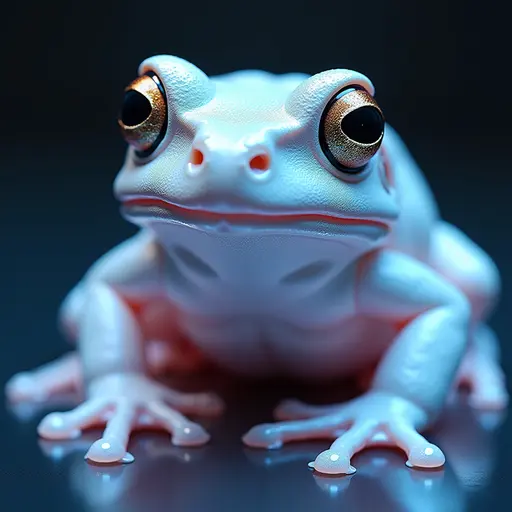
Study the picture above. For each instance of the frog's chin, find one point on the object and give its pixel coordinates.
(146, 211)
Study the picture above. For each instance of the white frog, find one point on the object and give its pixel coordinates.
(285, 230)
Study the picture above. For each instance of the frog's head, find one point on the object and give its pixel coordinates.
(254, 151)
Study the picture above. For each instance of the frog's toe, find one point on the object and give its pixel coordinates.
(56, 426)
(190, 434)
(336, 460)
(420, 453)
(333, 462)
(492, 400)
(183, 431)
(105, 451)
(263, 436)
(41, 383)
(68, 425)
(23, 387)
(425, 455)
(487, 389)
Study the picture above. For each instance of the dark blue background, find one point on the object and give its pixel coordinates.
(441, 73)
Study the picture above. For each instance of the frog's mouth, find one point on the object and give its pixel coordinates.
(137, 206)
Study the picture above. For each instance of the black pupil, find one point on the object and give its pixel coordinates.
(364, 125)
(136, 108)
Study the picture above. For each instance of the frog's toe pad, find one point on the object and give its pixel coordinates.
(190, 434)
(24, 387)
(106, 451)
(332, 462)
(425, 456)
(263, 436)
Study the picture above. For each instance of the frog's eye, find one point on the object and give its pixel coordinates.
(143, 117)
(351, 129)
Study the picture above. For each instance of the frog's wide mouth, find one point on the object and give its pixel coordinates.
(157, 207)
(139, 206)
(240, 217)
(153, 206)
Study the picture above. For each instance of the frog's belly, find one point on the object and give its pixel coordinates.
(270, 347)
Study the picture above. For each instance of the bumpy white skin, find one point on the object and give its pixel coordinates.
(373, 278)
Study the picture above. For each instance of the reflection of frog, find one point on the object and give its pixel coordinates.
(382, 483)
(285, 230)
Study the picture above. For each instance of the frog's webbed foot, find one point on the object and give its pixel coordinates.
(373, 419)
(124, 403)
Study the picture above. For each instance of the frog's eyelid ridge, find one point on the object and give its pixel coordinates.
(187, 87)
(183, 87)
(309, 99)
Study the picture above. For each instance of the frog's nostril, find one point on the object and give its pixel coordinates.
(260, 162)
(196, 157)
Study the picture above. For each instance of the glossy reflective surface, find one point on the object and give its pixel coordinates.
(226, 475)
(58, 216)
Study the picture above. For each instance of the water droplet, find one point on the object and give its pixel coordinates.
(128, 458)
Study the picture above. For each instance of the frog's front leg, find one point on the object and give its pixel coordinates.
(120, 392)
(114, 364)
(412, 380)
